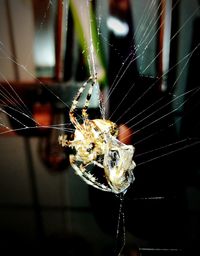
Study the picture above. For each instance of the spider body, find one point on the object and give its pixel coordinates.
(95, 143)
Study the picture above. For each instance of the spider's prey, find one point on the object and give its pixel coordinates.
(95, 143)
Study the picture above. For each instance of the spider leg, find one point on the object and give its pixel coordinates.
(62, 140)
(98, 164)
(87, 177)
(72, 117)
(88, 98)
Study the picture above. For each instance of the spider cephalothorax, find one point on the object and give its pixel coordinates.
(95, 143)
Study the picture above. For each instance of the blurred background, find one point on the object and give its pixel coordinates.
(142, 49)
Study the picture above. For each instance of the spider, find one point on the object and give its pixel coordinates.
(95, 143)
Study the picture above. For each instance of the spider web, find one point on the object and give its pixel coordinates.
(148, 122)
(162, 108)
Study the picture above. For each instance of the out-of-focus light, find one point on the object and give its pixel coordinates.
(44, 50)
(118, 27)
